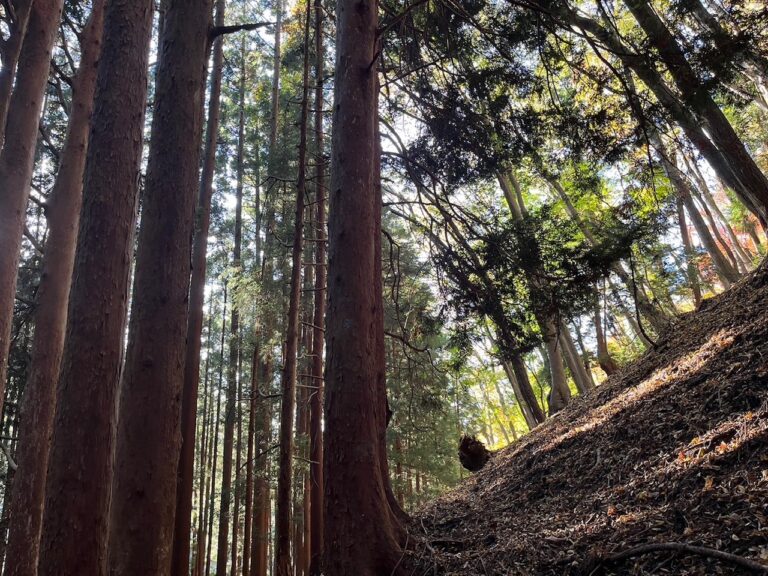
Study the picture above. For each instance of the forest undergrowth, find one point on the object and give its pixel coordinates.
(673, 449)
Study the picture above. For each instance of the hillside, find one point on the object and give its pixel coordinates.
(673, 449)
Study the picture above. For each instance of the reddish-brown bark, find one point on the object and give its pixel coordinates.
(284, 479)
(240, 160)
(75, 521)
(17, 156)
(148, 435)
(215, 435)
(36, 421)
(261, 497)
(318, 318)
(249, 463)
(361, 530)
(17, 28)
(180, 562)
(231, 407)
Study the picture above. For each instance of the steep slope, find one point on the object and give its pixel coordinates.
(674, 448)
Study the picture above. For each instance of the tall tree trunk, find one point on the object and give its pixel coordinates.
(302, 536)
(657, 318)
(199, 552)
(37, 408)
(17, 156)
(573, 361)
(262, 506)
(690, 253)
(249, 463)
(603, 355)
(181, 539)
(231, 402)
(148, 434)
(712, 206)
(695, 95)
(725, 270)
(561, 394)
(283, 513)
(240, 162)
(318, 319)
(75, 520)
(233, 565)
(214, 465)
(361, 530)
(739, 174)
(9, 52)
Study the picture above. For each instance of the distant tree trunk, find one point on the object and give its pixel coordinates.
(240, 170)
(603, 355)
(249, 463)
(695, 95)
(18, 154)
(583, 354)
(233, 565)
(318, 318)
(37, 407)
(705, 196)
(181, 539)
(303, 535)
(657, 318)
(262, 506)
(231, 404)
(734, 166)
(560, 393)
(75, 521)
(690, 253)
(725, 270)
(214, 465)
(148, 434)
(199, 552)
(10, 56)
(288, 405)
(573, 361)
(530, 419)
(361, 529)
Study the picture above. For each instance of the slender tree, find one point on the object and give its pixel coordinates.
(26, 508)
(318, 318)
(17, 19)
(75, 520)
(18, 153)
(283, 511)
(180, 563)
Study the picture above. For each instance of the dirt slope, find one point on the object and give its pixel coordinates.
(672, 449)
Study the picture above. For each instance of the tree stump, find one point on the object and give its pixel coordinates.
(472, 453)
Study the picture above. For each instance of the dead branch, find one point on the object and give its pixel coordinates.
(682, 548)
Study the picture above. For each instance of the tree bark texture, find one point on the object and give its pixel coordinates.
(75, 520)
(360, 527)
(18, 154)
(180, 562)
(288, 405)
(148, 434)
(36, 421)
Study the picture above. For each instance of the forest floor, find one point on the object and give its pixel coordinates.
(672, 449)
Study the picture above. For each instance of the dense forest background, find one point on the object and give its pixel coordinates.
(560, 181)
